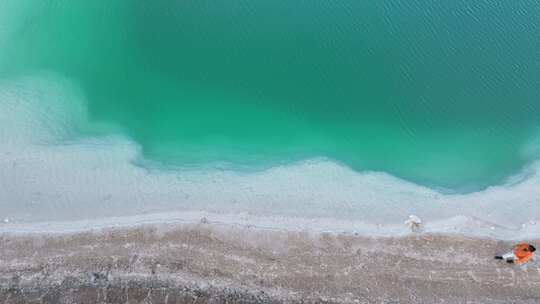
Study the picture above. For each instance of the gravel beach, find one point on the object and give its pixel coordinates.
(210, 263)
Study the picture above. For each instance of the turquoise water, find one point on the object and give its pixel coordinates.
(441, 93)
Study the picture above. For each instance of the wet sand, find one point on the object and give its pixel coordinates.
(211, 263)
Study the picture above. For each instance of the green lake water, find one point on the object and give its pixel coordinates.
(441, 93)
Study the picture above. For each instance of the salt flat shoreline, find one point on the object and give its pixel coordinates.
(218, 263)
(458, 225)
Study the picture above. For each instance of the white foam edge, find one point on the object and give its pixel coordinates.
(460, 225)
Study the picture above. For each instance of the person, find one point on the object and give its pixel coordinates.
(414, 223)
(522, 253)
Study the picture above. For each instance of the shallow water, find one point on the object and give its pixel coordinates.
(359, 110)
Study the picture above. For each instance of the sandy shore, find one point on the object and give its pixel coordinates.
(210, 263)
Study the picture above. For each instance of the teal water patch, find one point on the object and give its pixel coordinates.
(442, 94)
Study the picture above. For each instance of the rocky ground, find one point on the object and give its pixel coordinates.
(206, 263)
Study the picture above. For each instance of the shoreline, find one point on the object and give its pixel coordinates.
(466, 226)
(215, 263)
